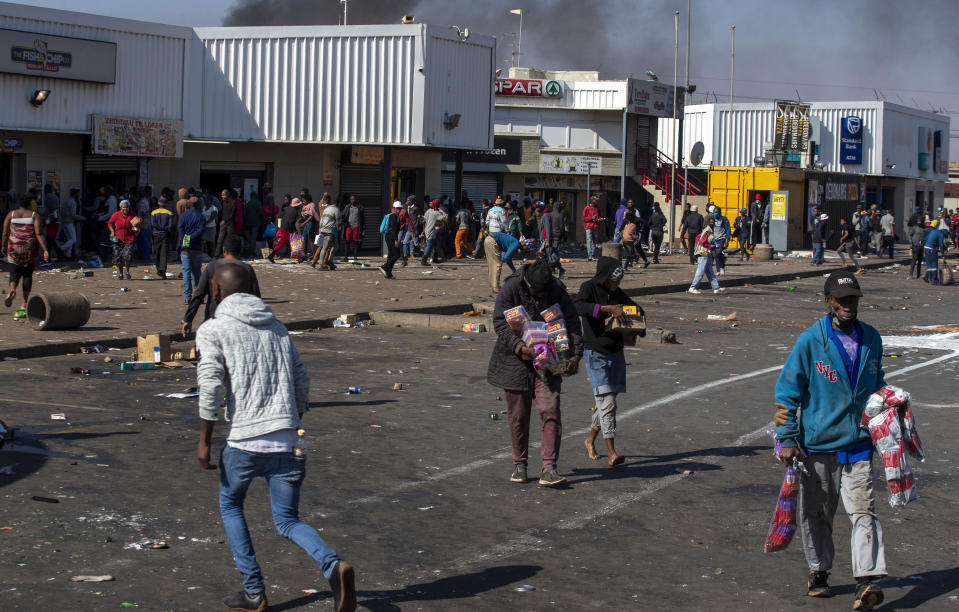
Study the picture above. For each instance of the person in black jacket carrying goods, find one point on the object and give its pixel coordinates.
(511, 367)
(692, 226)
(392, 238)
(600, 298)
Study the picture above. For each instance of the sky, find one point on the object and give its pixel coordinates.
(903, 52)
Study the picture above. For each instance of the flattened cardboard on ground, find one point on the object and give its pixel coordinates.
(145, 345)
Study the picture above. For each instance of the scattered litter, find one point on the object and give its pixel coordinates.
(522, 588)
(146, 544)
(49, 500)
(493, 416)
(687, 472)
(474, 328)
(6, 528)
(309, 591)
(355, 390)
(104, 578)
(399, 386)
(137, 365)
(729, 317)
(7, 469)
(58, 416)
(179, 395)
(749, 286)
(667, 337)
(339, 323)
(427, 508)
(376, 427)
(10, 359)
(79, 371)
(123, 289)
(127, 604)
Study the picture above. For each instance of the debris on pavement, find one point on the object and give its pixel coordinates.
(96, 348)
(146, 544)
(667, 337)
(522, 588)
(104, 578)
(715, 317)
(48, 500)
(58, 416)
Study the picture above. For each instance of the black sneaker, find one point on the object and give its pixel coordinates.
(549, 478)
(519, 474)
(343, 585)
(818, 585)
(383, 271)
(245, 601)
(868, 595)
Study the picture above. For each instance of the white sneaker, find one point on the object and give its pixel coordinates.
(693, 290)
(720, 290)
(722, 272)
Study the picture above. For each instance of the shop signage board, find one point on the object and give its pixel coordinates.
(550, 163)
(653, 98)
(529, 88)
(57, 57)
(792, 126)
(506, 150)
(850, 141)
(370, 156)
(9, 145)
(137, 137)
(778, 201)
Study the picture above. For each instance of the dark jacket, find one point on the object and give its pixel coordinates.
(593, 294)
(392, 227)
(204, 289)
(191, 223)
(507, 370)
(693, 222)
(657, 221)
(819, 232)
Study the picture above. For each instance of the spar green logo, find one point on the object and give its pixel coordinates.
(553, 89)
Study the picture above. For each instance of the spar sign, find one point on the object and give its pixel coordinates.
(530, 88)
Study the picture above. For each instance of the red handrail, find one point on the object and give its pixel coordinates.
(656, 168)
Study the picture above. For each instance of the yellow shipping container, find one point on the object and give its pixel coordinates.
(733, 188)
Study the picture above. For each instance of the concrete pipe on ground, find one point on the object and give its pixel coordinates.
(48, 311)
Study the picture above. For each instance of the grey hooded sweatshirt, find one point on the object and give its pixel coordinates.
(248, 356)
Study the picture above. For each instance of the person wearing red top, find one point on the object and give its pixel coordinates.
(124, 227)
(591, 221)
(405, 235)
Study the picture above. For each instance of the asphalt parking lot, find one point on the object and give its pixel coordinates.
(411, 486)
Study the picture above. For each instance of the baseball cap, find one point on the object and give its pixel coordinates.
(498, 200)
(842, 284)
(823, 217)
(397, 204)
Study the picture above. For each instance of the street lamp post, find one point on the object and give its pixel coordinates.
(519, 42)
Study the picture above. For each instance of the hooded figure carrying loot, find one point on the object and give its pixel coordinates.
(534, 289)
(599, 299)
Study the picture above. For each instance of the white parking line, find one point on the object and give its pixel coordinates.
(527, 542)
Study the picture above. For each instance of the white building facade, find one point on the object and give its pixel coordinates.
(567, 135)
(360, 109)
(900, 154)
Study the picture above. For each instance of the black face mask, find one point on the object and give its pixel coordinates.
(841, 320)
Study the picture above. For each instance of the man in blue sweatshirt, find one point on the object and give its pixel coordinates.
(833, 369)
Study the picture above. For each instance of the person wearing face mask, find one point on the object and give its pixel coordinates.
(720, 240)
(820, 397)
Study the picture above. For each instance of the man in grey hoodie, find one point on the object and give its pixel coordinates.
(247, 356)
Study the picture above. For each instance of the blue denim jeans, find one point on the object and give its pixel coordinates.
(405, 238)
(590, 242)
(430, 248)
(720, 257)
(817, 252)
(704, 266)
(191, 261)
(284, 474)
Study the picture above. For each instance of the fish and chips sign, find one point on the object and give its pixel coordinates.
(57, 57)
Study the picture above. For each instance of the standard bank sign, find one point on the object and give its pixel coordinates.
(850, 141)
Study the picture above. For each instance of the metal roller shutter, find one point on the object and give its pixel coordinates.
(109, 163)
(366, 183)
(480, 186)
(232, 166)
